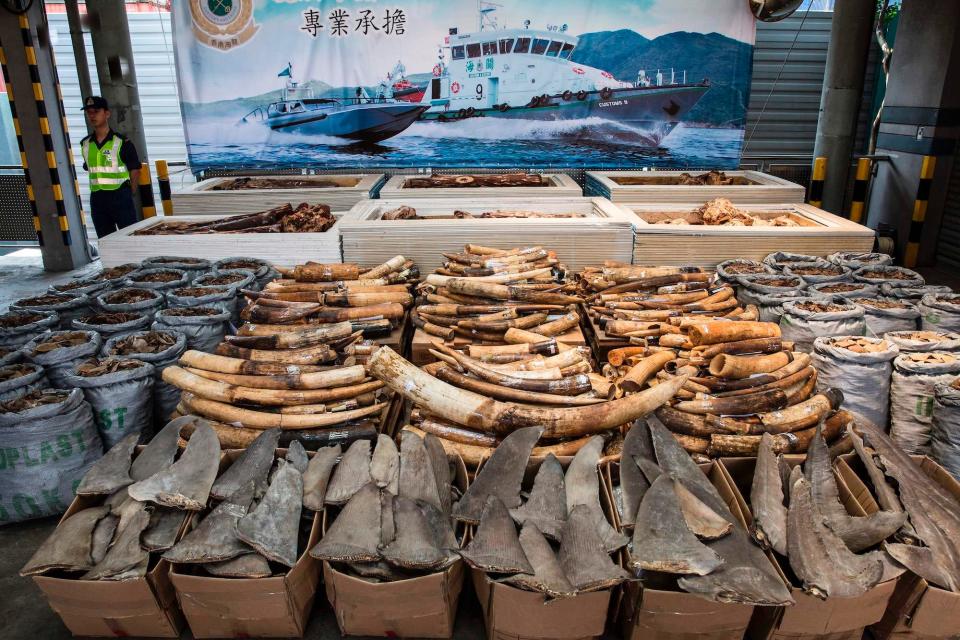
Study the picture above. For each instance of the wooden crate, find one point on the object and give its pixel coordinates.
(199, 199)
(423, 342)
(820, 234)
(283, 249)
(604, 234)
(654, 186)
(559, 186)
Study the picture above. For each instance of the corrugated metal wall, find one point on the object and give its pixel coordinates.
(948, 242)
(788, 115)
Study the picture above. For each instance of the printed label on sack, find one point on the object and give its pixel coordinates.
(924, 407)
(25, 506)
(44, 452)
(110, 418)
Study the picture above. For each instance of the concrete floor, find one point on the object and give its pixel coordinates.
(24, 607)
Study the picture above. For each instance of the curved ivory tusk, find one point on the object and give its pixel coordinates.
(513, 395)
(294, 340)
(799, 362)
(730, 331)
(783, 383)
(736, 405)
(730, 366)
(308, 355)
(454, 433)
(525, 322)
(223, 392)
(754, 345)
(473, 410)
(224, 364)
(260, 420)
(473, 454)
(441, 281)
(320, 380)
(393, 264)
(570, 386)
(367, 299)
(796, 442)
(520, 336)
(561, 325)
(645, 369)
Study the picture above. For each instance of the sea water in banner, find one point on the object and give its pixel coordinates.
(430, 83)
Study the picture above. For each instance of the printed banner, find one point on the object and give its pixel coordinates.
(432, 83)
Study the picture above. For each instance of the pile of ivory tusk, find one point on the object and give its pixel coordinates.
(511, 300)
(308, 380)
(375, 300)
(649, 305)
(740, 381)
(471, 404)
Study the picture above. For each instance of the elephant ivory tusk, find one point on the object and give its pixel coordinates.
(730, 366)
(224, 364)
(708, 333)
(261, 420)
(473, 410)
(308, 355)
(320, 380)
(645, 369)
(514, 395)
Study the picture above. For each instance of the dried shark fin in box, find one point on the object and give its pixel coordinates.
(582, 485)
(161, 450)
(858, 533)
(385, 464)
(703, 521)
(546, 507)
(354, 535)
(548, 577)
(495, 547)
(215, 538)
(351, 474)
(417, 481)
(317, 476)
(253, 464)
(125, 554)
(440, 464)
(161, 533)
(248, 565)
(500, 476)
(661, 539)
(582, 557)
(297, 456)
(934, 512)
(102, 537)
(824, 565)
(633, 483)
(414, 546)
(272, 527)
(766, 500)
(186, 483)
(111, 472)
(746, 575)
(69, 546)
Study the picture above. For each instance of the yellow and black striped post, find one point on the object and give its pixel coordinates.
(23, 153)
(919, 210)
(146, 192)
(163, 182)
(858, 203)
(815, 196)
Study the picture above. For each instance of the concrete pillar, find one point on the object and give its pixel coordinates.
(34, 92)
(113, 54)
(79, 49)
(850, 36)
(921, 117)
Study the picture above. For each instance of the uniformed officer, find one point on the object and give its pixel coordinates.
(113, 163)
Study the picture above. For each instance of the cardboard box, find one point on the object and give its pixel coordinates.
(917, 610)
(649, 613)
(510, 613)
(810, 618)
(145, 607)
(274, 607)
(517, 614)
(421, 607)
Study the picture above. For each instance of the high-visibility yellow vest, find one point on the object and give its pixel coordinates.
(107, 173)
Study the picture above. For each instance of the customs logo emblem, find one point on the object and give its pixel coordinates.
(223, 24)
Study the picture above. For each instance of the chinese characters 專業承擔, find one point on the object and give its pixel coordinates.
(392, 22)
